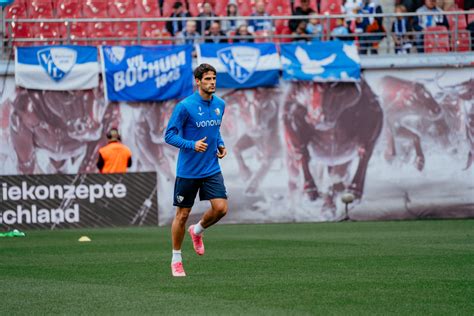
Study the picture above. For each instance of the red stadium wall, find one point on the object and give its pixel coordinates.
(401, 141)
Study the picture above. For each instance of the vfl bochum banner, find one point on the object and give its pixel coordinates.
(147, 73)
(242, 65)
(320, 61)
(57, 67)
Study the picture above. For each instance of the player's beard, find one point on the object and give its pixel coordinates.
(208, 90)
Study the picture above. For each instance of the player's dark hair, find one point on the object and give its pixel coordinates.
(202, 69)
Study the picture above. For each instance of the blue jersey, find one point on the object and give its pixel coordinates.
(193, 119)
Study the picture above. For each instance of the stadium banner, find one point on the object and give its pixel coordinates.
(57, 67)
(242, 65)
(320, 61)
(147, 73)
(400, 141)
(82, 200)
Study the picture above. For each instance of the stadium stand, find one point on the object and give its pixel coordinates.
(104, 31)
(436, 39)
(463, 41)
(124, 9)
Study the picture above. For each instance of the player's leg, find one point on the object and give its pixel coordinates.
(217, 210)
(212, 189)
(184, 194)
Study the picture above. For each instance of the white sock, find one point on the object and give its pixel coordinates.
(198, 229)
(176, 256)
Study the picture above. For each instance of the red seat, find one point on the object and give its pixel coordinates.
(436, 39)
(283, 30)
(98, 9)
(15, 30)
(124, 9)
(20, 31)
(40, 9)
(167, 38)
(266, 36)
(71, 9)
(462, 23)
(195, 7)
(162, 37)
(279, 9)
(220, 7)
(17, 10)
(43, 9)
(246, 7)
(149, 9)
(48, 33)
(463, 42)
(470, 16)
(331, 6)
(168, 7)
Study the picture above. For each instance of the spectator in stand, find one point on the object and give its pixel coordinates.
(243, 30)
(303, 9)
(351, 7)
(314, 27)
(401, 28)
(300, 34)
(174, 27)
(215, 35)
(446, 5)
(424, 21)
(189, 36)
(232, 25)
(208, 17)
(373, 25)
(340, 32)
(260, 24)
(411, 5)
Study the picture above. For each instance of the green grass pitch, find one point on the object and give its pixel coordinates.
(414, 267)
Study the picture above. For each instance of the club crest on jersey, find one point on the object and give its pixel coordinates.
(239, 61)
(57, 61)
(218, 111)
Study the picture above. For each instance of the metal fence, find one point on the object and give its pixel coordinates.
(457, 37)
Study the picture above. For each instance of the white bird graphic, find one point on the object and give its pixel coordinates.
(311, 66)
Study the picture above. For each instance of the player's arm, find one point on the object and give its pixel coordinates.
(175, 125)
(221, 150)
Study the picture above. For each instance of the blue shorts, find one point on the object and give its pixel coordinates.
(185, 190)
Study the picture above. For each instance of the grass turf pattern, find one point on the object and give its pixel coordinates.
(415, 267)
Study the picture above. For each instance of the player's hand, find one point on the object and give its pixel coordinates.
(200, 145)
(221, 152)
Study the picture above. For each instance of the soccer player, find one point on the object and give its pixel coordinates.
(194, 127)
(114, 157)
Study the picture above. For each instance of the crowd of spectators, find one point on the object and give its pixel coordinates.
(360, 22)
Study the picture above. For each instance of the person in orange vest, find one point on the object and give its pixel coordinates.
(114, 157)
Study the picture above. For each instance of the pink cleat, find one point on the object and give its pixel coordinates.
(197, 241)
(177, 269)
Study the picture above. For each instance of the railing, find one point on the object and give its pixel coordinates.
(453, 39)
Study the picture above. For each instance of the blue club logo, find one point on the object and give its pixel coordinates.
(239, 61)
(57, 61)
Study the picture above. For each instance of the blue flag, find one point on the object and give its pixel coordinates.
(242, 65)
(59, 67)
(147, 73)
(320, 61)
